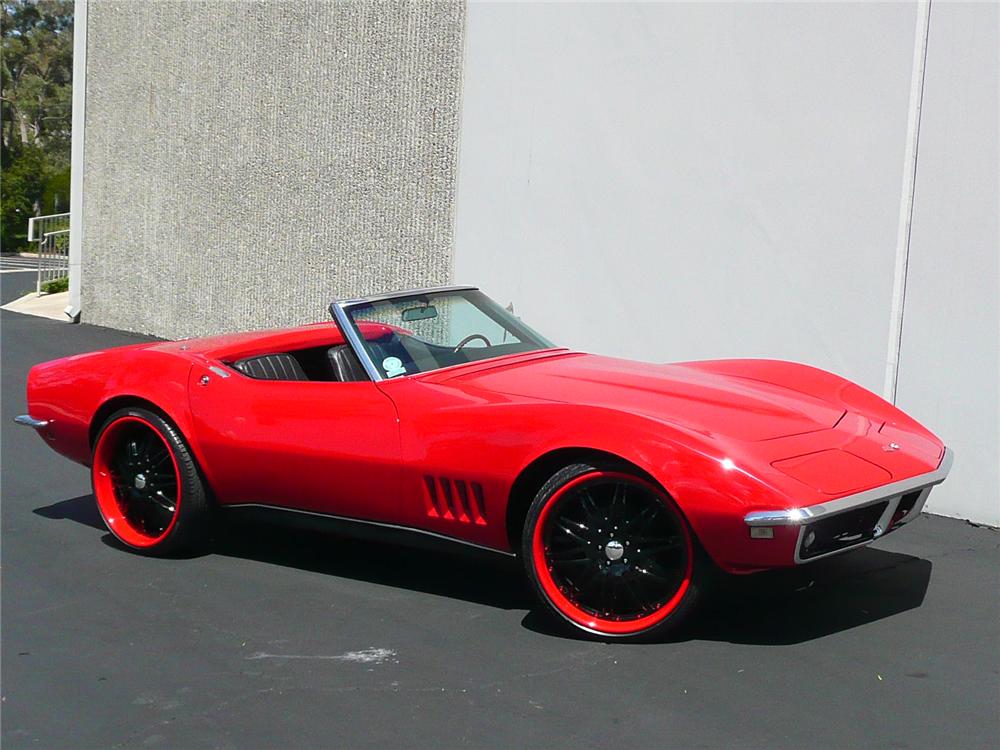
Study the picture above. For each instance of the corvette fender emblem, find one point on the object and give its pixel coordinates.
(891, 447)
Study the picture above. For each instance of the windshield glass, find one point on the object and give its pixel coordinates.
(421, 333)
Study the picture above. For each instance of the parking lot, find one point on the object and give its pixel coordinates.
(280, 638)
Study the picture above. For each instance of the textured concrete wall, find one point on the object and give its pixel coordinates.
(246, 162)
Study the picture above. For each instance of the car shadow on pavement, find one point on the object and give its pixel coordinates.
(781, 607)
(802, 604)
(81, 509)
(797, 605)
(453, 571)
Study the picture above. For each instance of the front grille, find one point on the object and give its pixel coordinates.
(841, 531)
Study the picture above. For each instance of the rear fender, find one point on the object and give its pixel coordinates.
(74, 393)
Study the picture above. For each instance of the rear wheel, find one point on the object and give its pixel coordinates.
(610, 552)
(147, 486)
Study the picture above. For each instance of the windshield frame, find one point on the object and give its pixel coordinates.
(341, 312)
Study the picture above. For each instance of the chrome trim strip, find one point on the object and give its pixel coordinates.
(28, 421)
(406, 293)
(219, 371)
(382, 524)
(351, 336)
(800, 516)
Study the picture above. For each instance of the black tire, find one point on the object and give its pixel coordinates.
(151, 505)
(556, 570)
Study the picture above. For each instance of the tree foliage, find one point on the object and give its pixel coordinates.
(36, 97)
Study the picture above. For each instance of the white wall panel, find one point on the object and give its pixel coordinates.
(681, 181)
(949, 368)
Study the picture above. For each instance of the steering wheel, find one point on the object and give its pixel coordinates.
(471, 337)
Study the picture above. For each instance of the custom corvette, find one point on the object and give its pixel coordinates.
(621, 484)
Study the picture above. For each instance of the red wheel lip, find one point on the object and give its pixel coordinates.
(107, 505)
(573, 613)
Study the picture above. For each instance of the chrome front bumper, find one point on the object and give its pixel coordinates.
(892, 495)
(29, 421)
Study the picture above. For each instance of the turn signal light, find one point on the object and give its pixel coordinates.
(761, 532)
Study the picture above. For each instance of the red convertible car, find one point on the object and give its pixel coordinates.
(621, 484)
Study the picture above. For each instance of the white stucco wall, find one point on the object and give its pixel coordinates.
(673, 181)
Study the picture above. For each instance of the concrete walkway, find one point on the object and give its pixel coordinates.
(47, 306)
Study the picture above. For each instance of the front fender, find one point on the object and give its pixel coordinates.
(708, 480)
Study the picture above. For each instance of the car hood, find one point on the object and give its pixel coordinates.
(689, 395)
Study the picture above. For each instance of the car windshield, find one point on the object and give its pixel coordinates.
(420, 333)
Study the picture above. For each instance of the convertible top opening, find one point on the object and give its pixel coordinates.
(336, 363)
(426, 330)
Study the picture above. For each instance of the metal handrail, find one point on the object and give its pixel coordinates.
(53, 246)
(39, 225)
(51, 232)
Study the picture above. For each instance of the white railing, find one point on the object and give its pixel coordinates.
(52, 235)
(53, 257)
(39, 225)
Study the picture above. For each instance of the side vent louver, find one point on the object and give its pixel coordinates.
(454, 500)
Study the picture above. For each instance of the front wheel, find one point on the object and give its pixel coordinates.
(610, 553)
(147, 486)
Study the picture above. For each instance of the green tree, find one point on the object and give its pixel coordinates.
(36, 115)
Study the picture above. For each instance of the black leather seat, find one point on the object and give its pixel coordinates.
(271, 367)
(345, 365)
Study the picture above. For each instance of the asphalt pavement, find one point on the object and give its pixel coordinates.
(14, 284)
(289, 639)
